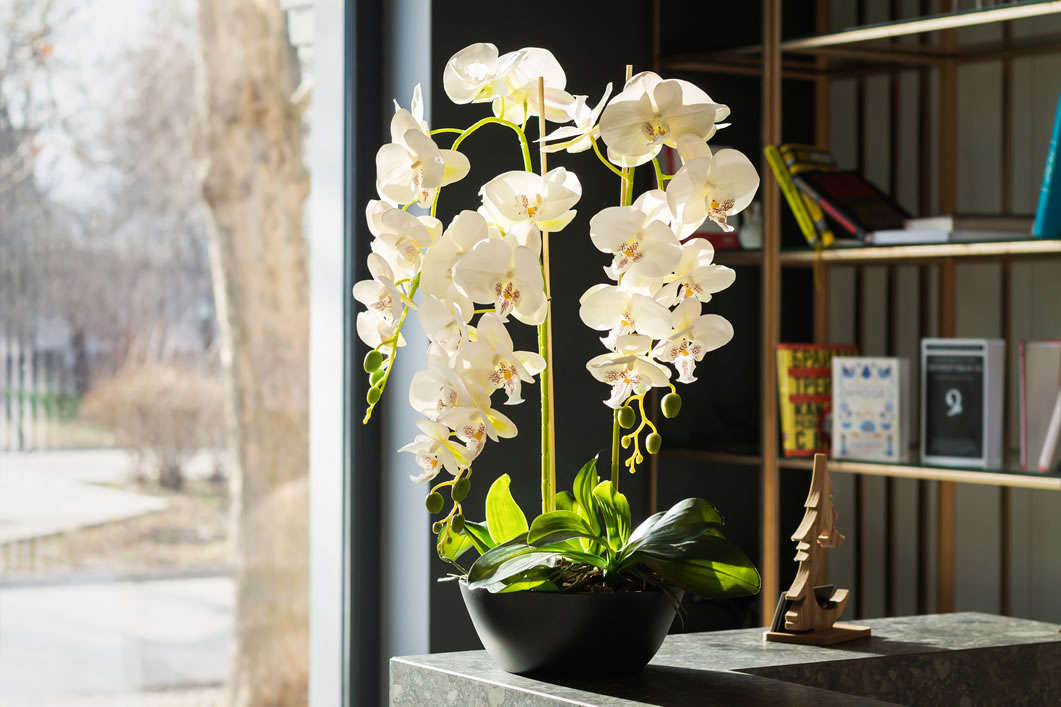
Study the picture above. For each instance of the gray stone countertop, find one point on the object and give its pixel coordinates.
(960, 659)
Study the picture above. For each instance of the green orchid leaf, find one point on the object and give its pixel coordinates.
(615, 510)
(452, 545)
(538, 579)
(515, 557)
(565, 501)
(710, 566)
(557, 526)
(480, 535)
(585, 481)
(664, 534)
(503, 515)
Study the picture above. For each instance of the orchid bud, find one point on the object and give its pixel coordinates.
(434, 502)
(653, 442)
(671, 405)
(625, 416)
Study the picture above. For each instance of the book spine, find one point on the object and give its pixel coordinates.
(1023, 413)
(792, 195)
(827, 206)
(1048, 215)
(1046, 459)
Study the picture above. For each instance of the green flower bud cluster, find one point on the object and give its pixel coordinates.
(376, 366)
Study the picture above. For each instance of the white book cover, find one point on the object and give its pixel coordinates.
(1040, 381)
(871, 413)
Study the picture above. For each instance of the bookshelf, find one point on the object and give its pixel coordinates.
(859, 52)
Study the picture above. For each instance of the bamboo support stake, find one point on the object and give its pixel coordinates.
(545, 344)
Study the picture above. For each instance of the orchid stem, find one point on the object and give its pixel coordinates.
(545, 336)
(394, 350)
(615, 448)
(604, 160)
(659, 173)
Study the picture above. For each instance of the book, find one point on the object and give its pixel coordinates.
(854, 203)
(906, 236)
(796, 201)
(1040, 383)
(1048, 215)
(962, 402)
(870, 410)
(1053, 433)
(995, 223)
(803, 158)
(804, 385)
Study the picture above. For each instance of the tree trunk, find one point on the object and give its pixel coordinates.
(255, 185)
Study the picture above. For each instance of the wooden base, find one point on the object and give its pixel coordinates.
(839, 633)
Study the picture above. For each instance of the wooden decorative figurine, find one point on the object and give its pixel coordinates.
(808, 614)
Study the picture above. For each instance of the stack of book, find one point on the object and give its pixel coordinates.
(1040, 404)
(823, 197)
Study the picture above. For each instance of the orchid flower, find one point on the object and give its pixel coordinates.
(637, 237)
(693, 336)
(505, 275)
(401, 236)
(438, 389)
(519, 88)
(620, 312)
(629, 371)
(474, 426)
(650, 112)
(490, 356)
(434, 451)
(477, 74)
(519, 197)
(444, 323)
(377, 323)
(411, 167)
(709, 186)
(695, 275)
(436, 276)
(580, 136)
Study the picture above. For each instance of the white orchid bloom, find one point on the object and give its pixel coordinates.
(695, 276)
(492, 359)
(709, 186)
(520, 197)
(637, 237)
(438, 389)
(474, 426)
(444, 322)
(436, 275)
(519, 88)
(400, 236)
(383, 299)
(505, 275)
(434, 451)
(412, 167)
(580, 136)
(693, 336)
(650, 112)
(629, 371)
(477, 73)
(621, 312)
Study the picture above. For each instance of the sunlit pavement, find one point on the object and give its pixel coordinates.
(42, 493)
(105, 641)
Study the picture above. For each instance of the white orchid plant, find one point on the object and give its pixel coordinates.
(467, 281)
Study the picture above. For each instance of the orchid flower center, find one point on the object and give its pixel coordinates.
(528, 207)
(628, 252)
(507, 297)
(383, 305)
(691, 289)
(717, 210)
(656, 129)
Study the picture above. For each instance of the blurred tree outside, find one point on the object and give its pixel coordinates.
(255, 185)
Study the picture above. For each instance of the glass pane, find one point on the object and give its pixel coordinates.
(153, 352)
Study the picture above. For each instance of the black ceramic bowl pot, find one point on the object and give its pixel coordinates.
(570, 634)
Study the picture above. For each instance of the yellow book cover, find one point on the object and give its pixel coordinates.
(800, 158)
(792, 195)
(804, 385)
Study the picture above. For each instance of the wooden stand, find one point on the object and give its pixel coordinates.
(809, 615)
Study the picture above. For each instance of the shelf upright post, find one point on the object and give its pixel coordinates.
(770, 274)
(948, 197)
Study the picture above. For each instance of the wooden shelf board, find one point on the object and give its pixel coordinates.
(900, 253)
(1045, 482)
(964, 476)
(830, 43)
